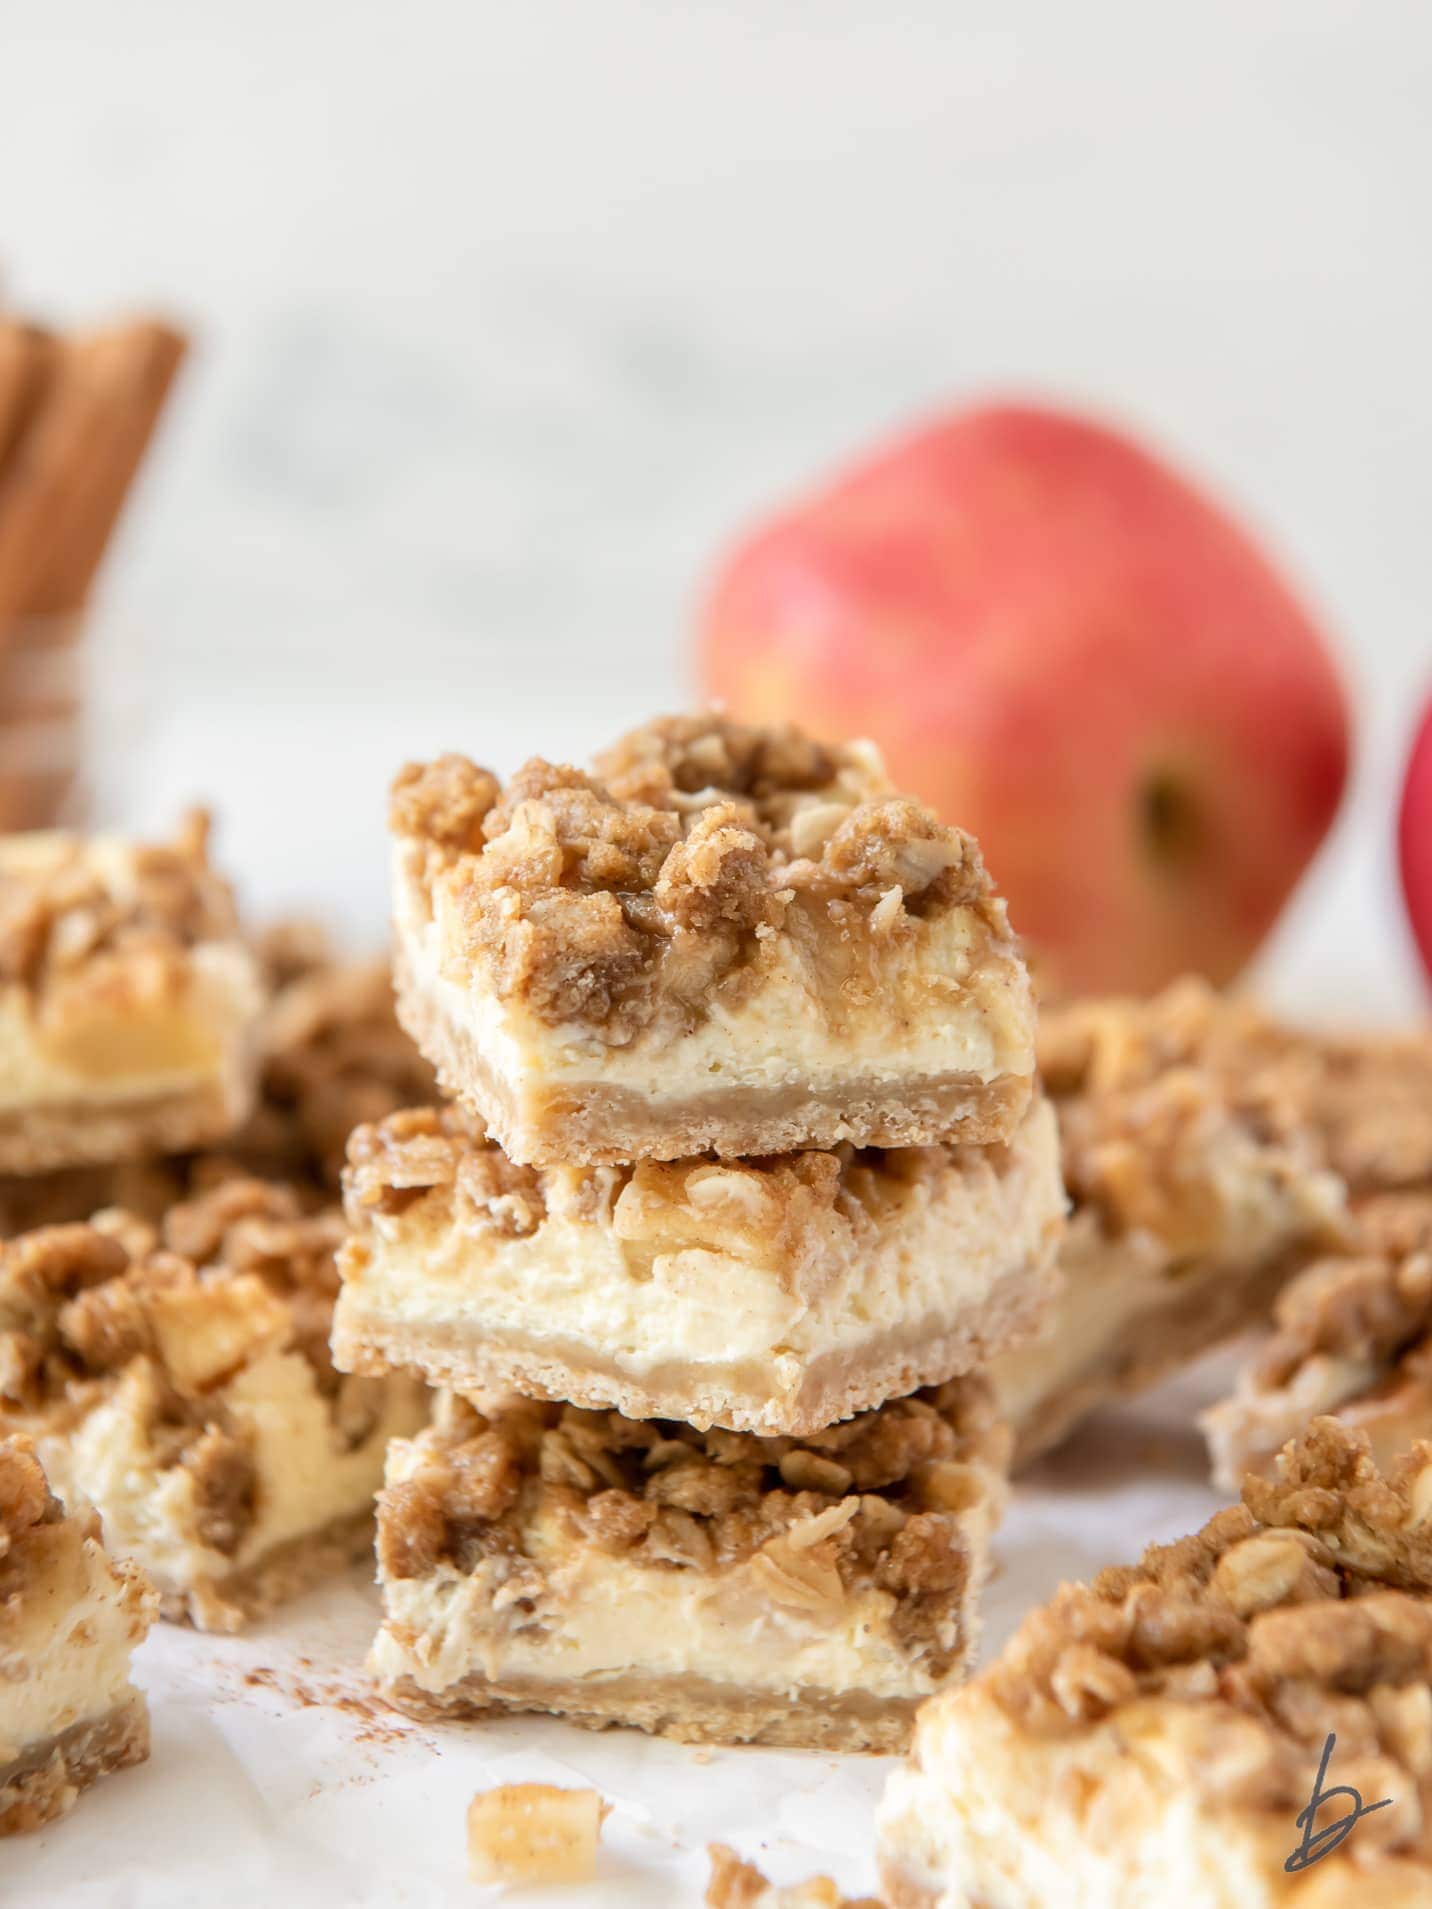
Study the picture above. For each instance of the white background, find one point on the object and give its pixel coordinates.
(511, 315)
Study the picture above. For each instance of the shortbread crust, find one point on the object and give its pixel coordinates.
(70, 1620)
(711, 1587)
(1203, 1158)
(179, 1379)
(1351, 1338)
(726, 939)
(1152, 1738)
(128, 1002)
(773, 1295)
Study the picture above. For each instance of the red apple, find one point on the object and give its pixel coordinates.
(1414, 839)
(1063, 646)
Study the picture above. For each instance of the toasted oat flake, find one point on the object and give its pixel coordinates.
(534, 1833)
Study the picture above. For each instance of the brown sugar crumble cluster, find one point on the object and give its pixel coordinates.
(332, 1057)
(25, 1502)
(1362, 1109)
(62, 918)
(762, 1202)
(1372, 1304)
(858, 1504)
(589, 896)
(735, 1884)
(1300, 1612)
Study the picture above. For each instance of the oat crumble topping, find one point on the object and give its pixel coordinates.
(66, 918)
(333, 1056)
(659, 874)
(766, 1204)
(735, 1884)
(1300, 1611)
(867, 1502)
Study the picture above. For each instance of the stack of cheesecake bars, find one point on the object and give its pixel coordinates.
(744, 1179)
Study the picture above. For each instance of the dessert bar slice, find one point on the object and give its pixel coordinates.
(1201, 1151)
(1352, 1336)
(178, 1378)
(1158, 1736)
(70, 1619)
(767, 1295)
(128, 1003)
(715, 1587)
(725, 938)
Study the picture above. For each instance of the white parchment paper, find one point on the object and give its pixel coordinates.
(276, 1778)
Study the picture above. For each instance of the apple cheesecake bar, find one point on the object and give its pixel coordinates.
(710, 1586)
(178, 1378)
(1200, 1183)
(725, 938)
(129, 1003)
(1351, 1338)
(1164, 1734)
(768, 1295)
(70, 1619)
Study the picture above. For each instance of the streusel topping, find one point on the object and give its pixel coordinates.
(867, 1502)
(1372, 1304)
(333, 1056)
(661, 873)
(68, 904)
(1301, 1611)
(1135, 1080)
(735, 1884)
(766, 1206)
(25, 1496)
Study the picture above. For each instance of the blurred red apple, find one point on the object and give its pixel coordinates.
(1414, 839)
(1064, 647)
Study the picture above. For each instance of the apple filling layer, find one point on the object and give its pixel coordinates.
(713, 1586)
(1201, 1157)
(179, 1380)
(128, 1004)
(1156, 1737)
(725, 939)
(70, 1620)
(773, 1295)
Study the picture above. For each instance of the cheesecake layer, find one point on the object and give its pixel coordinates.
(715, 1587)
(1152, 1737)
(774, 1295)
(725, 939)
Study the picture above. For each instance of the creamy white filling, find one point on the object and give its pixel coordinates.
(306, 1475)
(979, 1815)
(606, 1617)
(938, 1016)
(71, 1638)
(202, 1033)
(920, 1263)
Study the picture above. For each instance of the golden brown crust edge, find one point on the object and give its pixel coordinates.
(50, 1776)
(605, 1126)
